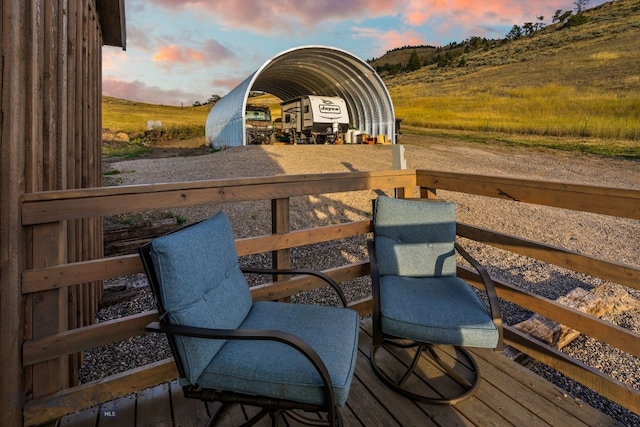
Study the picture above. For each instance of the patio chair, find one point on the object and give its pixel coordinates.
(419, 303)
(287, 359)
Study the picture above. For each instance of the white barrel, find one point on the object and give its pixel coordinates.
(348, 137)
(354, 136)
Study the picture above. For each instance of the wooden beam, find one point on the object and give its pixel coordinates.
(79, 339)
(287, 288)
(280, 224)
(73, 204)
(14, 79)
(48, 310)
(587, 198)
(609, 270)
(112, 22)
(63, 275)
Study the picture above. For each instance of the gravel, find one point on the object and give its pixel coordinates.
(597, 235)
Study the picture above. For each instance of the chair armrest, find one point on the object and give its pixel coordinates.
(374, 271)
(494, 304)
(315, 273)
(376, 313)
(253, 335)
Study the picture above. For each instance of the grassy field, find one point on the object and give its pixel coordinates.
(568, 88)
(130, 117)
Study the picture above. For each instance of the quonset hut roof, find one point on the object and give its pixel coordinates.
(307, 70)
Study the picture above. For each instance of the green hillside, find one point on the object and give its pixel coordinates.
(575, 88)
(582, 81)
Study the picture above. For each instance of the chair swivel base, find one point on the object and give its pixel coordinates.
(278, 417)
(467, 386)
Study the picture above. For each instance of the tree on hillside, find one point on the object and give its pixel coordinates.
(575, 20)
(414, 62)
(444, 61)
(561, 16)
(392, 69)
(515, 33)
(528, 29)
(581, 5)
(579, 18)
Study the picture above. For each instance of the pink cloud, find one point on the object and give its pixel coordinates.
(177, 54)
(209, 51)
(472, 12)
(226, 83)
(286, 15)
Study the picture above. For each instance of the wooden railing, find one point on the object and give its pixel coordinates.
(44, 215)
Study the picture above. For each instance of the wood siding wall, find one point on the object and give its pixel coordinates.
(51, 140)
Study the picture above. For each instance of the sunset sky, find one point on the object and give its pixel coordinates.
(182, 51)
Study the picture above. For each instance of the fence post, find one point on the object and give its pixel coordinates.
(400, 162)
(280, 214)
(47, 311)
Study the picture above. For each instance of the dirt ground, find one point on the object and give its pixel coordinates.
(421, 153)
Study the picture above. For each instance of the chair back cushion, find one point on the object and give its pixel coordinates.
(415, 238)
(201, 285)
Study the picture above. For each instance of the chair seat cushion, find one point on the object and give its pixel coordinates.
(442, 310)
(273, 369)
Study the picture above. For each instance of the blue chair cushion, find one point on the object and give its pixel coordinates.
(415, 238)
(201, 285)
(441, 310)
(273, 369)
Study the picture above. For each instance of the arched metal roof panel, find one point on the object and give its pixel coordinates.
(307, 70)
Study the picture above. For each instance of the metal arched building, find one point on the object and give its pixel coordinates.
(307, 70)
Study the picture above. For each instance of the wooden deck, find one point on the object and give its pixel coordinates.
(509, 395)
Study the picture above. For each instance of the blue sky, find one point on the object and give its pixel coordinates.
(182, 51)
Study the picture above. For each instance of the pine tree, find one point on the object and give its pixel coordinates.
(414, 62)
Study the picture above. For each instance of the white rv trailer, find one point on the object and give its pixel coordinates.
(321, 119)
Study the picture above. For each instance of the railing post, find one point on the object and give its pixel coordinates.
(428, 193)
(399, 163)
(47, 311)
(280, 214)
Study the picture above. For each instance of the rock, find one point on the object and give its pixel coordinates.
(597, 302)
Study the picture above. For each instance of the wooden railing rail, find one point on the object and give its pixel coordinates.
(63, 275)
(53, 206)
(50, 209)
(623, 274)
(618, 202)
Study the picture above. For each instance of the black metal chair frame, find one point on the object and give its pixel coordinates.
(275, 408)
(381, 339)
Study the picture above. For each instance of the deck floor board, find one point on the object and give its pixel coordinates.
(509, 395)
